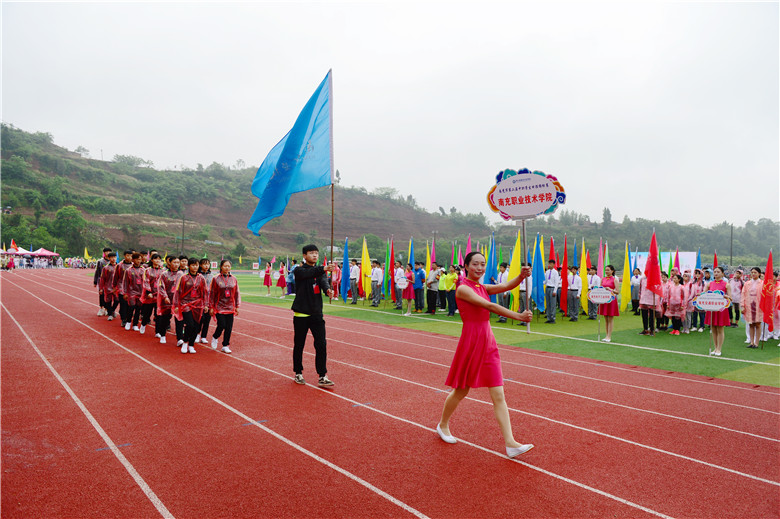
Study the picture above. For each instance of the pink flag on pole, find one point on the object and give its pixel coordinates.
(677, 259)
(600, 264)
(468, 247)
(433, 249)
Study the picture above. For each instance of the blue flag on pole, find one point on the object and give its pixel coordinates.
(537, 276)
(302, 160)
(345, 271)
(698, 258)
(576, 259)
(411, 251)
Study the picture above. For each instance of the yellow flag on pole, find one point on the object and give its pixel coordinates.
(427, 259)
(625, 283)
(365, 269)
(514, 270)
(584, 278)
(86, 254)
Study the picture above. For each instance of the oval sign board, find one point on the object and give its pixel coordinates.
(712, 301)
(524, 194)
(600, 295)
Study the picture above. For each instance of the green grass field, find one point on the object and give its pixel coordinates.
(684, 353)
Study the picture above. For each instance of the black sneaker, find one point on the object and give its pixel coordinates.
(325, 382)
(299, 378)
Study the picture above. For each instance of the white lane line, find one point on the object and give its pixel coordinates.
(584, 429)
(276, 435)
(574, 395)
(523, 351)
(148, 492)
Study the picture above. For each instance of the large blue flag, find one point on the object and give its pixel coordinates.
(302, 160)
(345, 271)
(698, 259)
(576, 259)
(411, 251)
(537, 276)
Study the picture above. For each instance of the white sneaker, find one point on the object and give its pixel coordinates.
(142, 329)
(225, 349)
(701, 329)
(192, 349)
(110, 318)
(162, 340)
(157, 335)
(197, 339)
(204, 340)
(747, 341)
(184, 348)
(100, 312)
(135, 328)
(516, 451)
(179, 343)
(214, 343)
(127, 326)
(604, 340)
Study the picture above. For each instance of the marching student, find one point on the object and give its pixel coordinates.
(223, 304)
(203, 332)
(149, 295)
(573, 297)
(178, 323)
(476, 362)
(166, 284)
(189, 300)
(119, 278)
(133, 287)
(106, 285)
(310, 281)
(102, 262)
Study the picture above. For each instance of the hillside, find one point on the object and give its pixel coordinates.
(125, 202)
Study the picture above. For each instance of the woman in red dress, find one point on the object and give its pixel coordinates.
(609, 310)
(408, 290)
(719, 320)
(268, 278)
(476, 362)
(282, 281)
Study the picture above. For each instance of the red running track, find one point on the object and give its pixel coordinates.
(213, 435)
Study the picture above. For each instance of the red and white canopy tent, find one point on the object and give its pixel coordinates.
(19, 251)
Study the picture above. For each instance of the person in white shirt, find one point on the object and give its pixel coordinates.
(376, 283)
(636, 280)
(573, 296)
(593, 281)
(503, 297)
(354, 275)
(551, 279)
(400, 279)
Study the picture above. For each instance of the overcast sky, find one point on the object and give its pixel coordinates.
(655, 110)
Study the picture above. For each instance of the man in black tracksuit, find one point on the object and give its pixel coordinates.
(311, 281)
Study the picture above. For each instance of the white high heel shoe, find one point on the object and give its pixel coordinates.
(446, 437)
(517, 451)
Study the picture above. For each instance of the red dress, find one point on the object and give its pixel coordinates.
(476, 362)
(609, 308)
(408, 292)
(268, 278)
(718, 318)
(282, 281)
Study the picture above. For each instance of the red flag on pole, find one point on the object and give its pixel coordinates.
(715, 260)
(551, 255)
(653, 269)
(564, 278)
(587, 259)
(392, 270)
(768, 294)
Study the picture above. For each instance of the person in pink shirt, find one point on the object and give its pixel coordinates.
(647, 304)
(675, 305)
(751, 310)
(735, 283)
(132, 288)
(696, 288)
(718, 320)
(223, 304)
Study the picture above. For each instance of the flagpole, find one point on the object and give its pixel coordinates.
(332, 221)
(527, 284)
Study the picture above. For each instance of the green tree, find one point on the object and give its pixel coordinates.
(238, 250)
(69, 225)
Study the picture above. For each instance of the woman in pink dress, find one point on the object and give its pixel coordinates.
(609, 310)
(282, 281)
(408, 291)
(751, 310)
(267, 279)
(675, 307)
(719, 320)
(476, 362)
